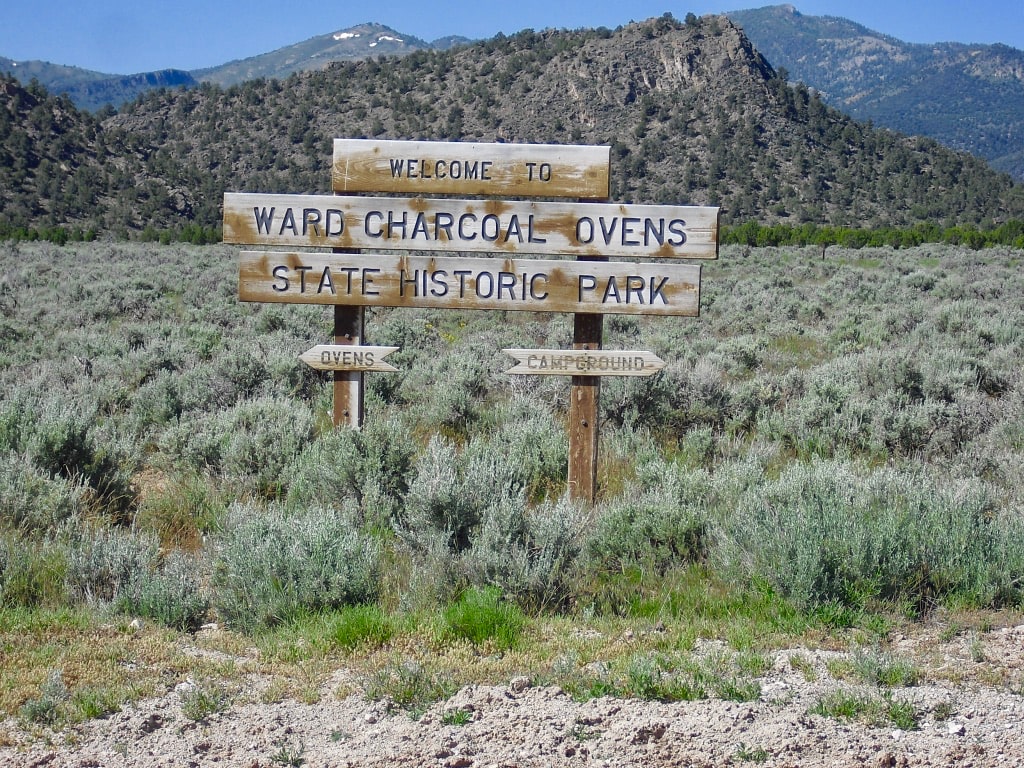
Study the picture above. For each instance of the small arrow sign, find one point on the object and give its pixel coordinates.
(584, 362)
(339, 357)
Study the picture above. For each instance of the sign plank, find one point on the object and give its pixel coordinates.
(578, 362)
(471, 168)
(369, 279)
(493, 226)
(339, 357)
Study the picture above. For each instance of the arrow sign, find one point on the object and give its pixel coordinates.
(339, 357)
(583, 362)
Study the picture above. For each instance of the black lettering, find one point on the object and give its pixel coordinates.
(678, 228)
(656, 291)
(485, 170)
(443, 223)
(264, 220)
(585, 230)
(302, 277)
(439, 169)
(585, 283)
(635, 285)
(479, 285)
(368, 273)
(341, 222)
(606, 232)
(411, 165)
(507, 281)
(438, 279)
(612, 289)
(627, 230)
(396, 168)
(400, 224)
(513, 229)
(310, 218)
(404, 281)
(366, 224)
(420, 227)
(462, 221)
(281, 273)
(531, 237)
(326, 282)
(462, 274)
(288, 222)
(348, 271)
(655, 231)
(534, 294)
(472, 170)
(495, 232)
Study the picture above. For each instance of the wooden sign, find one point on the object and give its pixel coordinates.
(578, 362)
(493, 226)
(466, 168)
(370, 279)
(338, 357)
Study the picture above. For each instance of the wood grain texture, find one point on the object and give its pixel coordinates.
(491, 226)
(575, 362)
(471, 168)
(534, 285)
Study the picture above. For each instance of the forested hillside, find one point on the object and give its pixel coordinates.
(969, 97)
(693, 113)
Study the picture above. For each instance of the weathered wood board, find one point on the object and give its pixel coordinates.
(470, 168)
(577, 362)
(339, 357)
(493, 226)
(369, 279)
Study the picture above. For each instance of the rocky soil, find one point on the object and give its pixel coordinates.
(969, 704)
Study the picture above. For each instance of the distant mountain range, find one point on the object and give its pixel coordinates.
(968, 97)
(692, 112)
(95, 90)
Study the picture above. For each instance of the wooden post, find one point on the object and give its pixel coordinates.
(584, 403)
(584, 408)
(348, 385)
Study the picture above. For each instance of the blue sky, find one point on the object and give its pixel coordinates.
(128, 36)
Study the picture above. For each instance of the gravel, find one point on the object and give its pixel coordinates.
(969, 705)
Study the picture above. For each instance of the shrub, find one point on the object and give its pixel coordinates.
(271, 566)
(32, 501)
(171, 595)
(103, 563)
(659, 521)
(829, 532)
(59, 441)
(251, 443)
(529, 554)
(371, 467)
(50, 706)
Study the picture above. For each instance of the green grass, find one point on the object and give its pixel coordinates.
(481, 616)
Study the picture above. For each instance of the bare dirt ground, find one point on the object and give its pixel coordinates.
(969, 704)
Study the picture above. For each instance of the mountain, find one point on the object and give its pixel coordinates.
(692, 111)
(968, 97)
(94, 90)
(357, 42)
